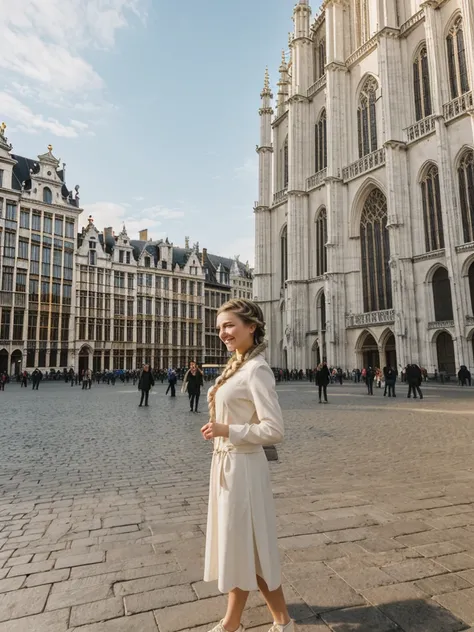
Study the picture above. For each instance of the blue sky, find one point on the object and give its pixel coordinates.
(152, 104)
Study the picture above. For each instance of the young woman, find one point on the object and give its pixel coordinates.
(193, 383)
(241, 542)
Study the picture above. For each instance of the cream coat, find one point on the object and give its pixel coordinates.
(241, 539)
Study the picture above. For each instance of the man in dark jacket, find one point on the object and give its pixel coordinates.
(390, 375)
(414, 378)
(193, 383)
(369, 380)
(145, 383)
(172, 379)
(36, 378)
(322, 380)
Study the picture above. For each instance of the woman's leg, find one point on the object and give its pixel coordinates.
(235, 609)
(147, 392)
(196, 401)
(275, 601)
(142, 398)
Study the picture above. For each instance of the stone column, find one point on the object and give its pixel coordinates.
(394, 104)
(299, 143)
(334, 290)
(452, 228)
(468, 25)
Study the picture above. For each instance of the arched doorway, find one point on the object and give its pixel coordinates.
(84, 359)
(3, 361)
(445, 353)
(16, 362)
(370, 352)
(391, 352)
(443, 304)
(315, 355)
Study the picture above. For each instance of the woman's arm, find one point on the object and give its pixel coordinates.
(270, 430)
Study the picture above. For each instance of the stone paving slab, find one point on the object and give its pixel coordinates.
(102, 517)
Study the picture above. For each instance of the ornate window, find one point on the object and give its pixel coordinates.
(284, 254)
(320, 59)
(321, 148)
(458, 76)
(375, 253)
(47, 195)
(321, 239)
(285, 163)
(362, 21)
(432, 216)
(421, 85)
(367, 118)
(466, 194)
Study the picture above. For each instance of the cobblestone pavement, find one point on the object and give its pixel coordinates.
(103, 509)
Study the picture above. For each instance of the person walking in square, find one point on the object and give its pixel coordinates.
(241, 540)
(193, 383)
(145, 383)
(369, 380)
(322, 380)
(172, 379)
(414, 378)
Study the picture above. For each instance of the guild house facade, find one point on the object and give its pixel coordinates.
(95, 299)
(38, 227)
(365, 216)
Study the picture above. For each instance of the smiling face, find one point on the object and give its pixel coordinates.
(234, 332)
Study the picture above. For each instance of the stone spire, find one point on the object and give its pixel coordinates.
(283, 84)
(301, 48)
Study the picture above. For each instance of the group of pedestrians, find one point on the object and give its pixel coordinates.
(193, 381)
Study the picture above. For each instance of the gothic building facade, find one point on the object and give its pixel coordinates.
(365, 216)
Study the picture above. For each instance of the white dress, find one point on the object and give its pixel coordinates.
(241, 537)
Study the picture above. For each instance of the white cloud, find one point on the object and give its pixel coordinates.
(161, 211)
(42, 50)
(113, 214)
(27, 121)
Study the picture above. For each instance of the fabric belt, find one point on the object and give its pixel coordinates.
(222, 454)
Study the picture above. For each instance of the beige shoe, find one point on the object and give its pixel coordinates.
(220, 628)
(279, 627)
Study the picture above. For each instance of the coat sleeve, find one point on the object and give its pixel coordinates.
(270, 429)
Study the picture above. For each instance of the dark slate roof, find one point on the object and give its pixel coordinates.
(21, 173)
(180, 256)
(228, 263)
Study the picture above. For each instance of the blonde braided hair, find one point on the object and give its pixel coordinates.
(251, 314)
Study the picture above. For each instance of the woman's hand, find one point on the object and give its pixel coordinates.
(212, 430)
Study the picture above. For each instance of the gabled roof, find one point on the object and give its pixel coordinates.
(22, 173)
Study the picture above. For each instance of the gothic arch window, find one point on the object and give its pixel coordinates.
(320, 59)
(443, 304)
(432, 216)
(375, 253)
(466, 194)
(285, 164)
(321, 240)
(457, 64)
(367, 117)
(47, 195)
(421, 85)
(284, 254)
(362, 21)
(321, 145)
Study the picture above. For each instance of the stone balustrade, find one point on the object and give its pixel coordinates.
(382, 317)
(421, 128)
(411, 22)
(317, 86)
(367, 163)
(280, 196)
(362, 50)
(469, 320)
(459, 106)
(441, 324)
(316, 180)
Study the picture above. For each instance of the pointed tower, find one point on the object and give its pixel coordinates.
(263, 267)
(283, 85)
(299, 131)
